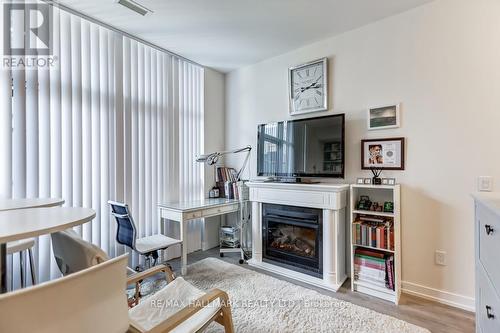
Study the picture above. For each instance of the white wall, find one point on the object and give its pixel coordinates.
(441, 61)
(214, 141)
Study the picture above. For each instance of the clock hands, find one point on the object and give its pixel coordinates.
(312, 85)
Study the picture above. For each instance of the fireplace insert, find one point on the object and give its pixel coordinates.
(292, 238)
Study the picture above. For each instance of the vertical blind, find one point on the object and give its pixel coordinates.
(116, 120)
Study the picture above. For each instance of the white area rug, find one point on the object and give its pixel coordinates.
(261, 303)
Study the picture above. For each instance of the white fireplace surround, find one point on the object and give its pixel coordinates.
(332, 199)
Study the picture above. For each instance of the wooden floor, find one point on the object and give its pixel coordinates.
(434, 316)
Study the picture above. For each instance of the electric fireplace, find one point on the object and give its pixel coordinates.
(292, 238)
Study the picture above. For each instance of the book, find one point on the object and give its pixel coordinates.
(373, 273)
(370, 253)
(390, 272)
(369, 263)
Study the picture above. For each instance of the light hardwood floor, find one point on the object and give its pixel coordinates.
(436, 317)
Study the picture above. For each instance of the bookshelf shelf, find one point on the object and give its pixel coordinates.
(369, 212)
(387, 258)
(372, 248)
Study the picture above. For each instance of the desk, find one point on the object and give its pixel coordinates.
(23, 223)
(185, 211)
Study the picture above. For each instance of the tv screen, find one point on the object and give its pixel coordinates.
(312, 147)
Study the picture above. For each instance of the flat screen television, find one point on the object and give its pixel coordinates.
(312, 147)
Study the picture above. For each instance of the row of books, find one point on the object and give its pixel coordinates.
(225, 174)
(231, 190)
(374, 267)
(371, 232)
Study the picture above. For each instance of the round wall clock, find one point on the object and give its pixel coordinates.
(308, 87)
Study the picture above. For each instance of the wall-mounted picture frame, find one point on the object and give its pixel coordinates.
(385, 154)
(383, 117)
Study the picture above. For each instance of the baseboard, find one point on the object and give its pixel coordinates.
(441, 296)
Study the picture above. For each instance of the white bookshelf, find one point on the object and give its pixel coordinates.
(380, 194)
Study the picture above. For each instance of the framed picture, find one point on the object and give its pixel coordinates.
(360, 181)
(308, 87)
(385, 154)
(368, 181)
(383, 117)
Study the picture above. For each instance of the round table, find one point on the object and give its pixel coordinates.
(24, 223)
(11, 204)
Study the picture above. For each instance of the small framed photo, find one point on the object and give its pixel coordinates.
(383, 117)
(385, 181)
(383, 154)
(360, 181)
(368, 181)
(391, 181)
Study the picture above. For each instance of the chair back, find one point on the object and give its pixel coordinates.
(125, 231)
(92, 300)
(73, 254)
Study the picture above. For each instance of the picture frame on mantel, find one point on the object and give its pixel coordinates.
(384, 154)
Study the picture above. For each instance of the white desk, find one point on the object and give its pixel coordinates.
(11, 204)
(185, 211)
(23, 223)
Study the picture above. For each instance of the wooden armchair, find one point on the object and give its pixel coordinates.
(73, 254)
(195, 309)
(93, 300)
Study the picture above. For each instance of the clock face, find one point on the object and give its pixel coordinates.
(308, 87)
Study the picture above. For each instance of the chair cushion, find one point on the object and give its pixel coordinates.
(153, 243)
(160, 306)
(20, 245)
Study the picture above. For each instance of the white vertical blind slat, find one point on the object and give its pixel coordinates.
(104, 148)
(76, 106)
(86, 124)
(96, 132)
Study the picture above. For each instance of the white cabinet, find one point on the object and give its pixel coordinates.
(487, 250)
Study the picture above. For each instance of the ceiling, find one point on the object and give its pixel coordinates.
(228, 34)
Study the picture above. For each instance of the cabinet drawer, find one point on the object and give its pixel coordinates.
(219, 210)
(489, 241)
(488, 313)
(192, 215)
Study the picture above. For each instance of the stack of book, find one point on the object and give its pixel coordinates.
(374, 232)
(226, 179)
(374, 267)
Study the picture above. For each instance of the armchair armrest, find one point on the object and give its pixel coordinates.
(223, 315)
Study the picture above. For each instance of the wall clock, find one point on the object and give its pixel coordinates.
(308, 87)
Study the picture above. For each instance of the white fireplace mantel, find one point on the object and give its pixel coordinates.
(332, 199)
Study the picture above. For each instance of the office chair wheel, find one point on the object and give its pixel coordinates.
(221, 255)
(241, 261)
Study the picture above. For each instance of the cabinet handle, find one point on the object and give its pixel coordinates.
(489, 229)
(488, 312)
